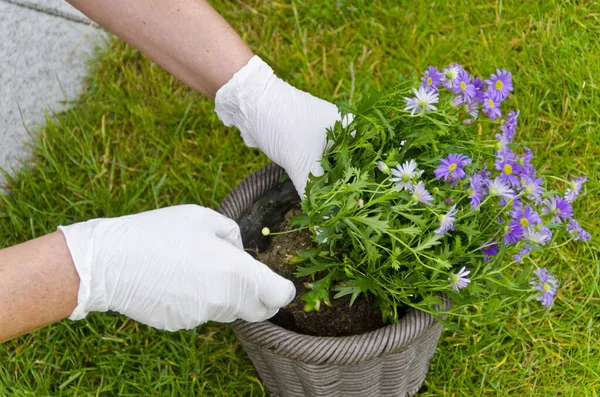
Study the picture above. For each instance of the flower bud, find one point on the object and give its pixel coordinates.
(265, 231)
(381, 166)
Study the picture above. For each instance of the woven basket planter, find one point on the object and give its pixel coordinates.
(390, 361)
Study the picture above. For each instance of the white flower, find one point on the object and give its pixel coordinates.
(422, 102)
(405, 175)
(420, 194)
(460, 279)
(447, 220)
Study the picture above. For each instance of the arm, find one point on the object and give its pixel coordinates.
(173, 268)
(186, 37)
(194, 43)
(38, 285)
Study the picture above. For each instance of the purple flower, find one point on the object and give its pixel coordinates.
(491, 108)
(547, 285)
(525, 162)
(452, 168)
(450, 75)
(420, 194)
(519, 256)
(405, 176)
(497, 188)
(479, 89)
(537, 234)
(476, 190)
(489, 249)
(509, 167)
(574, 188)
(422, 102)
(464, 88)
(447, 220)
(513, 232)
(531, 188)
(509, 125)
(499, 85)
(514, 202)
(526, 216)
(473, 109)
(558, 208)
(577, 231)
(459, 280)
(432, 79)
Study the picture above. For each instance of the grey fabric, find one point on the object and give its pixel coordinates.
(390, 361)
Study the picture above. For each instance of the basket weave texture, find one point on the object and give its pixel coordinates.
(390, 361)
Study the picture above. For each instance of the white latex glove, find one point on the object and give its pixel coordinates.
(172, 268)
(287, 124)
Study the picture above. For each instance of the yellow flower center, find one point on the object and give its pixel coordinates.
(463, 85)
(491, 103)
(508, 169)
(429, 81)
(546, 287)
(498, 85)
(452, 166)
(524, 222)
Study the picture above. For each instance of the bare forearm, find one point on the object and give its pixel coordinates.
(38, 285)
(186, 37)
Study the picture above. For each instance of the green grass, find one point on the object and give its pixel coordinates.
(137, 139)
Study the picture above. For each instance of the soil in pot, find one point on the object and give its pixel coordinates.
(274, 211)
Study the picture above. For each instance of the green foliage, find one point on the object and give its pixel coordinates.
(375, 236)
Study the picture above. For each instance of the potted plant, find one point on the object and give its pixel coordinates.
(427, 209)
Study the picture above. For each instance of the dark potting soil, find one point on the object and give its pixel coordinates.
(340, 319)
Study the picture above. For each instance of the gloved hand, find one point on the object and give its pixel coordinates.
(287, 124)
(172, 268)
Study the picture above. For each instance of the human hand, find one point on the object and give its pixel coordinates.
(288, 125)
(172, 268)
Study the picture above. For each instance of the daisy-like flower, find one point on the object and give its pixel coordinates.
(510, 123)
(405, 176)
(547, 285)
(558, 208)
(447, 220)
(476, 190)
(432, 79)
(491, 108)
(464, 88)
(450, 75)
(503, 141)
(537, 234)
(509, 167)
(497, 188)
(513, 232)
(525, 162)
(489, 249)
(518, 257)
(574, 188)
(473, 109)
(420, 194)
(383, 167)
(479, 89)
(531, 188)
(459, 280)
(422, 102)
(578, 233)
(526, 216)
(452, 168)
(500, 85)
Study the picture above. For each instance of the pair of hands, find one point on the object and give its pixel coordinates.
(178, 267)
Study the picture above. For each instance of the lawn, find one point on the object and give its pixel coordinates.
(137, 139)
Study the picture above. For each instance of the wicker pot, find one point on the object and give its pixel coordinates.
(390, 361)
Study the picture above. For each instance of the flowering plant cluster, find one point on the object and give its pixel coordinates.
(426, 194)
